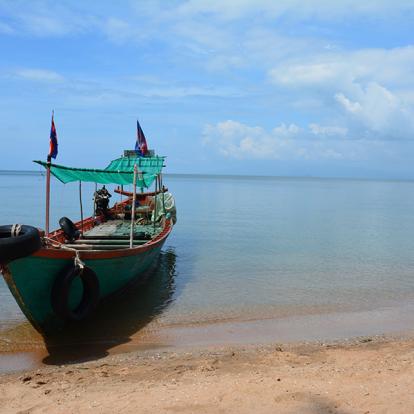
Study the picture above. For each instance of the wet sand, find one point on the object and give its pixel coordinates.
(367, 375)
(22, 348)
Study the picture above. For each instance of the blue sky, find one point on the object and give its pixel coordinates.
(314, 88)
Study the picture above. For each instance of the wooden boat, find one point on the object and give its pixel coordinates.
(60, 277)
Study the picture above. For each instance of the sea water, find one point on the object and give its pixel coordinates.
(250, 259)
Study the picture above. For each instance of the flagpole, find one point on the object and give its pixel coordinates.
(49, 160)
(47, 194)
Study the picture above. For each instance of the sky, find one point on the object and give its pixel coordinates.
(263, 87)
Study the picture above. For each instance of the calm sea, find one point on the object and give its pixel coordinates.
(251, 259)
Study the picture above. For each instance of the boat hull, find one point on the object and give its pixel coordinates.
(31, 278)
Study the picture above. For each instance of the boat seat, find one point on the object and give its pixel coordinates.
(98, 246)
(108, 237)
(109, 241)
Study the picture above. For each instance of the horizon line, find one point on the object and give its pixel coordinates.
(309, 177)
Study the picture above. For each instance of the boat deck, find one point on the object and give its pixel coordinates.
(120, 229)
(115, 235)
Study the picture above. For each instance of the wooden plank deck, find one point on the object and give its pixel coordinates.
(120, 230)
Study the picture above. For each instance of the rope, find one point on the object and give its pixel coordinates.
(15, 230)
(77, 260)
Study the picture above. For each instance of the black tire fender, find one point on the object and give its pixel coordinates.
(61, 289)
(15, 247)
(69, 228)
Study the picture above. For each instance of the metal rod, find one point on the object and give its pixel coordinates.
(47, 196)
(134, 196)
(81, 206)
(155, 201)
(162, 192)
(94, 200)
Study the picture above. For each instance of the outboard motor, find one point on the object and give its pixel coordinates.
(101, 198)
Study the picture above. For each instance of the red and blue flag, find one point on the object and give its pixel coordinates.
(53, 148)
(141, 144)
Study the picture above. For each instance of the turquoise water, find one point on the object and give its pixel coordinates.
(255, 249)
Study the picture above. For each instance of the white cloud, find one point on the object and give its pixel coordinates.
(388, 66)
(47, 18)
(40, 75)
(106, 92)
(353, 107)
(209, 26)
(373, 89)
(335, 131)
(286, 131)
(305, 74)
(236, 140)
(323, 9)
(381, 111)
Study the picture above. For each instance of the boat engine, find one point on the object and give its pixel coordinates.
(101, 199)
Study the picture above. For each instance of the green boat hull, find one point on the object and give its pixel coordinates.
(31, 279)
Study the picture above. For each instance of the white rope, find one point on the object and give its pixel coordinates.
(15, 230)
(77, 260)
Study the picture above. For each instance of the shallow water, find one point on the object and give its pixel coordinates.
(259, 258)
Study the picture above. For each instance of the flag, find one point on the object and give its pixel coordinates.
(53, 148)
(141, 144)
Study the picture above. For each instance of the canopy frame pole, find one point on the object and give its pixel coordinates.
(94, 201)
(47, 195)
(155, 201)
(134, 197)
(81, 206)
(162, 192)
(142, 181)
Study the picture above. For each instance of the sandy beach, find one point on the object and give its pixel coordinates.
(367, 375)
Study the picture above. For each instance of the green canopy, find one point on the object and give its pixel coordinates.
(150, 166)
(119, 171)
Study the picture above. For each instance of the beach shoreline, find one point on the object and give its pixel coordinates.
(362, 375)
(23, 348)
